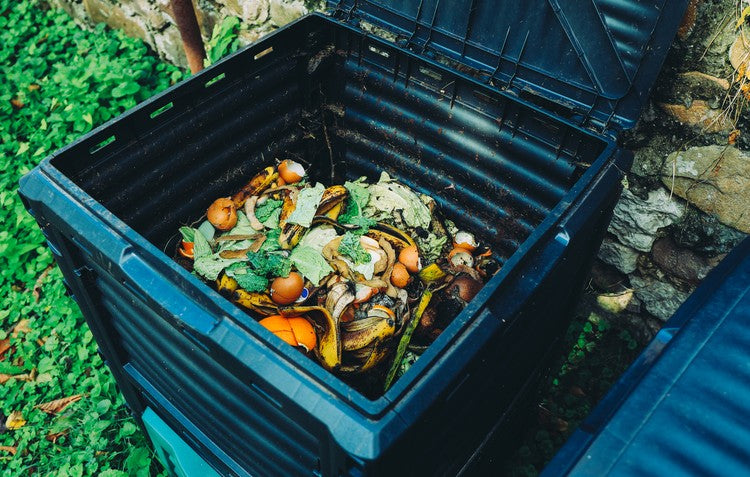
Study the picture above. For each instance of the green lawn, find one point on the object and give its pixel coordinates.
(57, 82)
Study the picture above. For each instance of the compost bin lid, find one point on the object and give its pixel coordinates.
(596, 58)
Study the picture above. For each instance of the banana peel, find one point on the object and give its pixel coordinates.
(431, 273)
(368, 357)
(226, 285)
(328, 348)
(330, 207)
(338, 299)
(359, 334)
(290, 235)
(255, 186)
(331, 201)
(258, 302)
(394, 236)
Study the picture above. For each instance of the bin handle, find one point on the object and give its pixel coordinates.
(150, 285)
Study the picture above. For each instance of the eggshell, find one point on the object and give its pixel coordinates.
(409, 257)
(291, 171)
(400, 275)
(465, 240)
(461, 256)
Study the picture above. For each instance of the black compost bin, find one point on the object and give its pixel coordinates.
(506, 114)
(682, 407)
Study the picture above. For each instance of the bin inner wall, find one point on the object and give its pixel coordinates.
(494, 165)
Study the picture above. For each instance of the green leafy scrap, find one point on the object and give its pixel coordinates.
(269, 264)
(351, 247)
(431, 246)
(201, 247)
(306, 206)
(247, 278)
(271, 244)
(356, 202)
(310, 263)
(265, 210)
(188, 233)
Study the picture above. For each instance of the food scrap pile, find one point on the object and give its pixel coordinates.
(361, 277)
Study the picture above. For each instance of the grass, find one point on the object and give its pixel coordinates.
(58, 82)
(597, 349)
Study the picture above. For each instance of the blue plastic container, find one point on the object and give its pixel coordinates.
(506, 114)
(682, 408)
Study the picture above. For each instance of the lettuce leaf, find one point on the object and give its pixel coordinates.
(306, 206)
(265, 210)
(269, 264)
(188, 233)
(390, 200)
(209, 267)
(431, 247)
(310, 263)
(358, 198)
(318, 237)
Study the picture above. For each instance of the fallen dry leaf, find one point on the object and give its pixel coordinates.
(11, 449)
(15, 421)
(21, 327)
(17, 103)
(38, 285)
(4, 347)
(53, 437)
(53, 407)
(28, 377)
(31, 376)
(577, 391)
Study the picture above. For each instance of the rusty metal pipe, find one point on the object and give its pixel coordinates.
(192, 42)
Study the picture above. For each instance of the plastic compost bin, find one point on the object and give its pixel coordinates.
(506, 113)
(682, 407)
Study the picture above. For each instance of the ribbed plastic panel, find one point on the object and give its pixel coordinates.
(267, 443)
(631, 24)
(463, 146)
(202, 155)
(599, 57)
(437, 133)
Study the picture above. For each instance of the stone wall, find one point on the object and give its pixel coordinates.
(151, 20)
(687, 201)
(688, 194)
